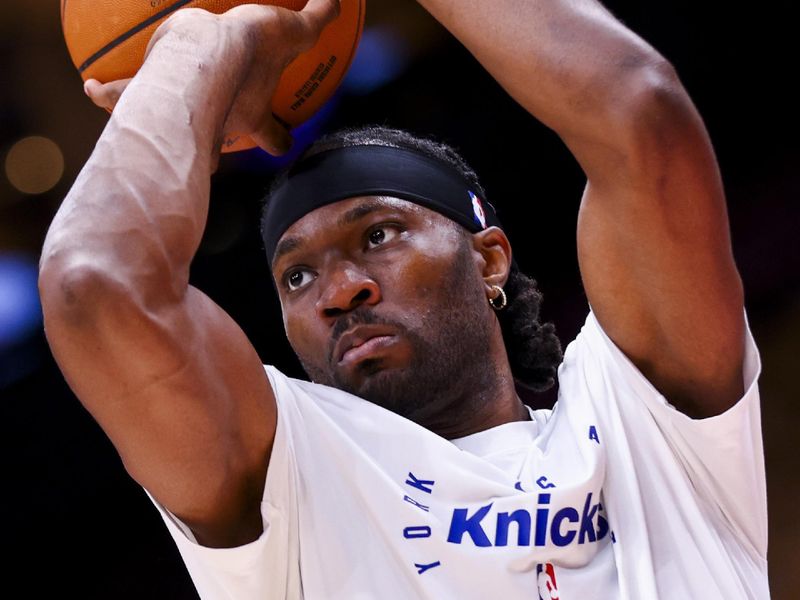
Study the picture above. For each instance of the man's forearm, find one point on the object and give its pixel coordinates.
(139, 206)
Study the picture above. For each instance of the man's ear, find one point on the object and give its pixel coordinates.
(493, 245)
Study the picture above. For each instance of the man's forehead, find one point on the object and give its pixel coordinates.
(346, 211)
(341, 214)
(323, 178)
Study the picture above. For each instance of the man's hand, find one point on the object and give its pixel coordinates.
(267, 38)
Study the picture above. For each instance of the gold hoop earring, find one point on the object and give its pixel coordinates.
(501, 296)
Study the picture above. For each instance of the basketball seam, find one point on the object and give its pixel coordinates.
(130, 33)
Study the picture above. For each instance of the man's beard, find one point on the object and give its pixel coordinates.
(451, 365)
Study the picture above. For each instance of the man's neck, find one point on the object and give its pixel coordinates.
(492, 405)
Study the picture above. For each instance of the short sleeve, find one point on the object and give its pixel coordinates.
(721, 457)
(267, 568)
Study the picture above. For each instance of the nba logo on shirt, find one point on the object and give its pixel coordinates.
(477, 211)
(546, 581)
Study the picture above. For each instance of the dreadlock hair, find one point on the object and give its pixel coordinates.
(534, 350)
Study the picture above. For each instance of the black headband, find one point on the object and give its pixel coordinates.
(372, 170)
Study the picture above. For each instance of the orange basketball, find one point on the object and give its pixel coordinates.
(107, 39)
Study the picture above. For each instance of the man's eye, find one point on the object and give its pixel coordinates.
(297, 279)
(381, 235)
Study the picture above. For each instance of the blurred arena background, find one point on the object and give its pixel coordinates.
(80, 527)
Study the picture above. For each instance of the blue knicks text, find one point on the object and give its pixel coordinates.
(567, 525)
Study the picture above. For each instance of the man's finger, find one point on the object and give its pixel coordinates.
(321, 12)
(105, 95)
(273, 137)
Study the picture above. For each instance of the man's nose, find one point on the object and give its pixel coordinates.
(347, 287)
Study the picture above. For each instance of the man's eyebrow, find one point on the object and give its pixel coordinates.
(285, 246)
(361, 211)
(290, 244)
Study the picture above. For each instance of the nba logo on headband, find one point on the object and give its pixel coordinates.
(477, 211)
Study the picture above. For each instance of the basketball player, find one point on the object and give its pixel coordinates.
(408, 467)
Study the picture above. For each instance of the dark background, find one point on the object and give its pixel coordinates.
(76, 523)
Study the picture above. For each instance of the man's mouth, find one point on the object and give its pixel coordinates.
(366, 349)
(361, 342)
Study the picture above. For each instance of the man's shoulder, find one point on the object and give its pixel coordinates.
(283, 383)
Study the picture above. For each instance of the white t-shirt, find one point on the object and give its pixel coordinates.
(612, 494)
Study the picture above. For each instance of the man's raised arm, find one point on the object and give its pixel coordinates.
(653, 235)
(168, 375)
